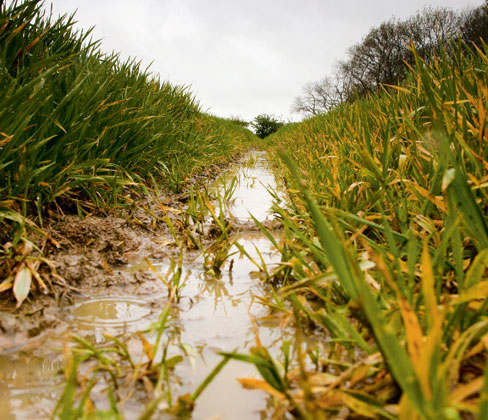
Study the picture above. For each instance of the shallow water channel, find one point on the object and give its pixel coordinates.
(213, 315)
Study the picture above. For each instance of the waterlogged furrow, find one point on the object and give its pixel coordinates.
(215, 312)
(217, 315)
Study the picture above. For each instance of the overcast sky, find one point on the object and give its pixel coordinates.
(243, 57)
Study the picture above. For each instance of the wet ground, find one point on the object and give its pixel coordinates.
(214, 314)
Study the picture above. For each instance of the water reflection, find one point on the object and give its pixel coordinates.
(110, 310)
(213, 315)
(29, 384)
(251, 195)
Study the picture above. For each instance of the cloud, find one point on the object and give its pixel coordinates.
(240, 57)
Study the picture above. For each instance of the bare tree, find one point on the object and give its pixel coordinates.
(432, 29)
(380, 58)
(475, 25)
(318, 97)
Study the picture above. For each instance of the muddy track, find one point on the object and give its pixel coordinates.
(89, 256)
(106, 286)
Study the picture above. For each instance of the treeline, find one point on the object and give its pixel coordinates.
(385, 53)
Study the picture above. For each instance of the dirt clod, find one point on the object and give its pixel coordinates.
(89, 257)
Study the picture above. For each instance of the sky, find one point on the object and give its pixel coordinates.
(239, 57)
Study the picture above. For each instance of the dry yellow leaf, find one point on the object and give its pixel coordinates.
(259, 384)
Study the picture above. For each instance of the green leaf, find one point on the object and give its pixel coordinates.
(332, 246)
(264, 364)
(210, 377)
(473, 218)
(477, 270)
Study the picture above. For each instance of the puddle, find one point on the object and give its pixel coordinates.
(213, 315)
(114, 311)
(30, 383)
(251, 195)
(219, 317)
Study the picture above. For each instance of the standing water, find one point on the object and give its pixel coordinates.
(215, 314)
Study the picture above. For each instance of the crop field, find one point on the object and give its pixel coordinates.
(81, 130)
(139, 261)
(386, 247)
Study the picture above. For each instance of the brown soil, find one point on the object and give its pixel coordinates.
(86, 256)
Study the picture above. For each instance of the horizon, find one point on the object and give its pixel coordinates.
(236, 62)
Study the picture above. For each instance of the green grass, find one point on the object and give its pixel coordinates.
(81, 130)
(386, 247)
(386, 238)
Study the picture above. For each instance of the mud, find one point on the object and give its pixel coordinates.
(103, 285)
(90, 256)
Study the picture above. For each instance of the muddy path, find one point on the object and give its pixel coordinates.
(115, 289)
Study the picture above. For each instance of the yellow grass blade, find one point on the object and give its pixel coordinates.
(428, 287)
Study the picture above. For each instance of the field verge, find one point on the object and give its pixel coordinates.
(82, 131)
(386, 249)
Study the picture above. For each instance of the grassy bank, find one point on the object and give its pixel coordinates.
(386, 250)
(81, 130)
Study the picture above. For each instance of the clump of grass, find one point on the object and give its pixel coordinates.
(386, 245)
(106, 375)
(81, 130)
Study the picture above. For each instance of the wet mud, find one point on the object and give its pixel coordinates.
(112, 272)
